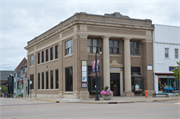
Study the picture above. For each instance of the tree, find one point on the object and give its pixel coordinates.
(176, 71)
(3, 88)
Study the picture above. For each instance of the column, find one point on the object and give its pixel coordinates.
(75, 67)
(60, 60)
(82, 55)
(106, 65)
(127, 67)
(35, 73)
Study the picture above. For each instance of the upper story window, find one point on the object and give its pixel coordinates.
(113, 47)
(92, 44)
(31, 60)
(47, 55)
(38, 57)
(69, 47)
(134, 48)
(42, 56)
(56, 51)
(166, 52)
(176, 53)
(32, 81)
(24, 70)
(51, 55)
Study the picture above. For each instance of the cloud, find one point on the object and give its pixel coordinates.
(22, 20)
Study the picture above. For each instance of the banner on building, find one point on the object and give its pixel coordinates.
(93, 68)
(172, 68)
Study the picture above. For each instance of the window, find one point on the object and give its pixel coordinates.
(135, 70)
(134, 48)
(69, 79)
(92, 44)
(42, 80)
(38, 80)
(18, 85)
(56, 51)
(51, 79)
(57, 77)
(38, 57)
(113, 47)
(51, 50)
(32, 60)
(166, 52)
(69, 47)
(42, 56)
(92, 81)
(47, 56)
(32, 81)
(47, 80)
(176, 53)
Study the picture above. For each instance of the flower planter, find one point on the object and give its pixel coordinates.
(107, 97)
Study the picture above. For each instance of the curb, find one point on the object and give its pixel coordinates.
(105, 102)
(55, 101)
(99, 102)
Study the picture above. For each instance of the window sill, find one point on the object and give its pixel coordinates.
(31, 66)
(68, 55)
(46, 89)
(167, 59)
(94, 54)
(68, 92)
(135, 56)
(115, 55)
(47, 62)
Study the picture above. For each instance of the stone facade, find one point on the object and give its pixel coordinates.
(79, 28)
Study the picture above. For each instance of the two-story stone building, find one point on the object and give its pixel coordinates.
(59, 60)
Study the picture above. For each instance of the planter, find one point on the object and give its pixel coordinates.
(107, 97)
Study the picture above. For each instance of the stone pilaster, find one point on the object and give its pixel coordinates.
(127, 67)
(35, 73)
(147, 55)
(106, 62)
(75, 69)
(82, 50)
(60, 59)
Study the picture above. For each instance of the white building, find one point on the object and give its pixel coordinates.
(166, 52)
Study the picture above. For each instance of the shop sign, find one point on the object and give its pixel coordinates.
(149, 67)
(84, 85)
(172, 68)
(84, 74)
(114, 69)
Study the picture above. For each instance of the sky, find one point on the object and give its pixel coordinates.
(22, 20)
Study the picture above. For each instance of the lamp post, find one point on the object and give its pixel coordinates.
(97, 97)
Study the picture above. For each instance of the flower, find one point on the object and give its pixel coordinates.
(106, 91)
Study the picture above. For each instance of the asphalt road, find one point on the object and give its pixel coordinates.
(34, 109)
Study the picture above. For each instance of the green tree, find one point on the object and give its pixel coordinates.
(3, 88)
(176, 71)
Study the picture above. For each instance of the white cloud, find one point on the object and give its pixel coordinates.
(22, 20)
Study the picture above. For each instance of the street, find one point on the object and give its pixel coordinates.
(34, 109)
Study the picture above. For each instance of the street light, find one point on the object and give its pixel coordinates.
(97, 97)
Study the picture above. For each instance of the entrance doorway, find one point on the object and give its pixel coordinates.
(115, 83)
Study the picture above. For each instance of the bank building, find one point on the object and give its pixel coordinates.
(60, 59)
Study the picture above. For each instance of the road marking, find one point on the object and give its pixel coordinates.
(177, 103)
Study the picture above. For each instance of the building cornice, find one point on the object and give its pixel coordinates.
(76, 22)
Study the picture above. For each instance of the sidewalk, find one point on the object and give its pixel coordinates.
(114, 100)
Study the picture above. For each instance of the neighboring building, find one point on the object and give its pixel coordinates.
(20, 79)
(59, 60)
(166, 52)
(3, 76)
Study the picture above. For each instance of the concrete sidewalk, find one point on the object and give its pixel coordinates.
(114, 100)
